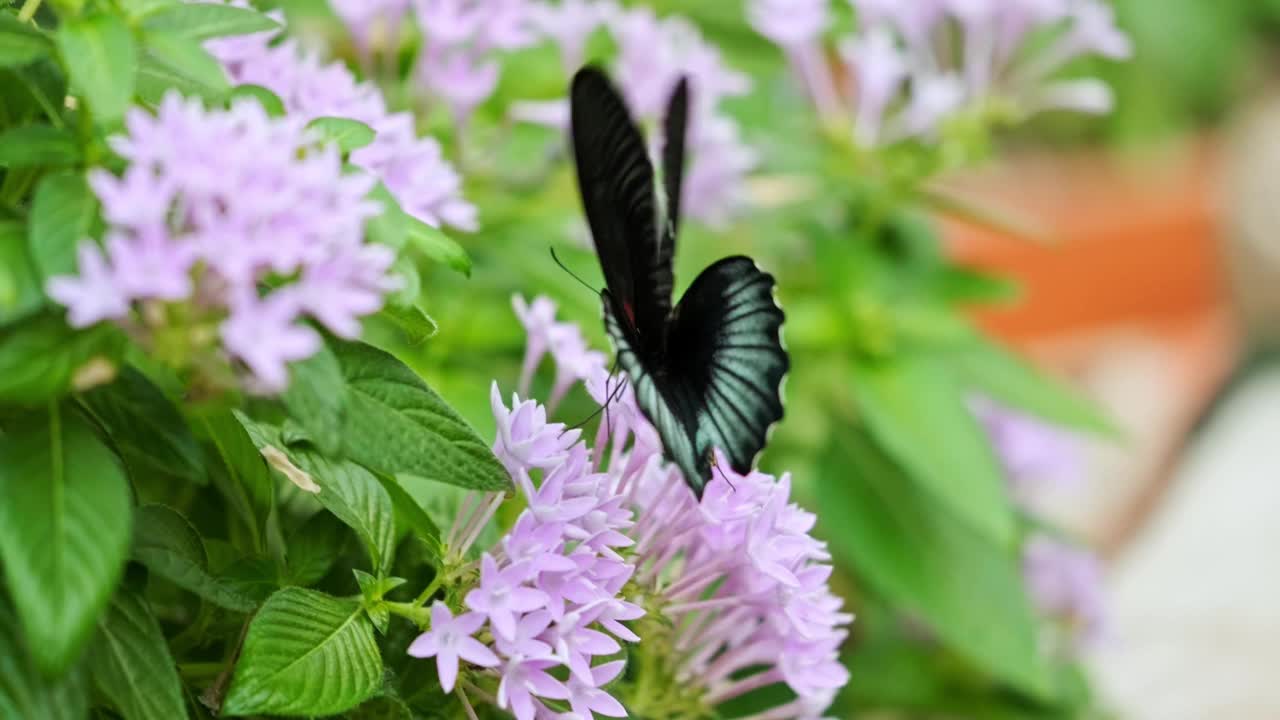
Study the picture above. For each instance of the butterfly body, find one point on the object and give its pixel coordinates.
(707, 372)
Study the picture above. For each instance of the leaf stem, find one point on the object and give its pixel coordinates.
(28, 10)
(420, 616)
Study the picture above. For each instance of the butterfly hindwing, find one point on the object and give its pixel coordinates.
(616, 182)
(724, 345)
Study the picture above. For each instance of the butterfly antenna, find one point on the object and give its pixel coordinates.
(720, 470)
(572, 274)
(602, 409)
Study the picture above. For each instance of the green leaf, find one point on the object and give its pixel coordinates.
(267, 99)
(395, 423)
(306, 653)
(25, 693)
(20, 43)
(131, 665)
(38, 146)
(247, 482)
(417, 326)
(918, 414)
(189, 60)
(40, 357)
(314, 548)
(346, 133)
(157, 79)
(356, 497)
(170, 547)
(411, 514)
(391, 226)
(202, 21)
(100, 58)
(148, 431)
(985, 367)
(438, 246)
(382, 708)
(61, 213)
(924, 561)
(19, 287)
(316, 399)
(64, 531)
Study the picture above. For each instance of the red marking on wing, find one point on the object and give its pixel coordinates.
(630, 312)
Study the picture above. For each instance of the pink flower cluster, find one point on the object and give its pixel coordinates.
(1065, 582)
(551, 589)
(916, 64)
(413, 168)
(212, 205)
(738, 571)
(460, 38)
(653, 54)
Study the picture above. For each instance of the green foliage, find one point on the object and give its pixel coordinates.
(439, 247)
(149, 433)
(306, 653)
(346, 134)
(61, 213)
(130, 663)
(64, 530)
(205, 20)
(20, 43)
(19, 286)
(25, 692)
(38, 145)
(925, 562)
(166, 543)
(397, 424)
(317, 400)
(100, 55)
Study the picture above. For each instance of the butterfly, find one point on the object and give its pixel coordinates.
(708, 372)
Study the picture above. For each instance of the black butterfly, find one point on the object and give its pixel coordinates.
(708, 372)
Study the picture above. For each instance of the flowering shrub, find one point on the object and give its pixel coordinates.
(230, 490)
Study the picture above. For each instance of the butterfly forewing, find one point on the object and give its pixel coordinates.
(616, 182)
(674, 125)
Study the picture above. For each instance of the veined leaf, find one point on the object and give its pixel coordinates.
(317, 399)
(438, 246)
(25, 693)
(189, 60)
(356, 497)
(391, 226)
(314, 548)
(417, 326)
(100, 56)
(922, 560)
(64, 531)
(61, 213)
(396, 423)
(148, 430)
(38, 146)
(267, 99)
(918, 414)
(202, 21)
(19, 287)
(1003, 376)
(20, 43)
(170, 547)
(131, 665)
(246, 482)
(40, 357)
(306, 653)
(346, 133)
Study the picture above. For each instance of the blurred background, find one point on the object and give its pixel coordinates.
(1133, 256)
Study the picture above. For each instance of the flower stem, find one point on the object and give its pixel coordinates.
(466, 704)
(28, 10)
(431, 589)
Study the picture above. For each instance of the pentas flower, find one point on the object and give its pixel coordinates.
(916, 65)
(1035, 454)
(461, 43)
(372, 23)
(213, 207)
(653, 55)
(1065, 582)
(412, 167)
(611, 534)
